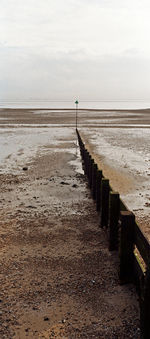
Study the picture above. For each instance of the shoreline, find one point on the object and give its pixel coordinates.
(138, 110)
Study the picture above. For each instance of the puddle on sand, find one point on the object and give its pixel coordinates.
(77, 163)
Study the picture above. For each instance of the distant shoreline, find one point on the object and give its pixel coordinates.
(139, 110)
(65, 105)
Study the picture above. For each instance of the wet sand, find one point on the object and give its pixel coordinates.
(124, 157)
(67, 116)
(54, 283)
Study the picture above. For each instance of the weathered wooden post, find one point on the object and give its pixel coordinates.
(82, 149)
(145, 307)
(126, 273)
(89, 167)
(91, 172)
(104, 203)
(79, 138)
(85, 161)
(98, 190)
(94, 180)
(114, 211)
(87, 164)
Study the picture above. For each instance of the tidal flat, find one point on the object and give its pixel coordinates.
(120, 140)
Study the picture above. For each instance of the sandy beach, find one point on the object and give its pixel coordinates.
(53, 280)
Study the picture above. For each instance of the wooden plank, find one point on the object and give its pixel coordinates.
(126, 247)
(114, 210)
(94, 180)
(138, 275)
(104, 203)
(91, 172)
(145, 308)
(98, 190)
(123, 207)
(142, 244)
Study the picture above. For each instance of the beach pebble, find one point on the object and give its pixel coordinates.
(63, 321)
(64, 183)
(46, 318)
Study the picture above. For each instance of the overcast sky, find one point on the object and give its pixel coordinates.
(63, 49)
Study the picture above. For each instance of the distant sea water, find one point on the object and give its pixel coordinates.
(132, 104)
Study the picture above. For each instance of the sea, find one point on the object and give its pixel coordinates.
(45, 103)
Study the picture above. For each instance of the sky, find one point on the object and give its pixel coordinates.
(85, 49)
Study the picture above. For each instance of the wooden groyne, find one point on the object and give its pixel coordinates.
(124, 235)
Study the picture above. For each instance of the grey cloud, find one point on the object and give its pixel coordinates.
(61, 49)
(64, 77)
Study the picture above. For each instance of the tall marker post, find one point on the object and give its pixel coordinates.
(76, 113)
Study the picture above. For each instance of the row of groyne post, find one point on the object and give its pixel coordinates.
(124, 235)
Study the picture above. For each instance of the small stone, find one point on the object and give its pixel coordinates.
(30, 206)
(46, 318)
(64, 183)
(63, 321)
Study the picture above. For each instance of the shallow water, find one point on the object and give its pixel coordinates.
(108, 104)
